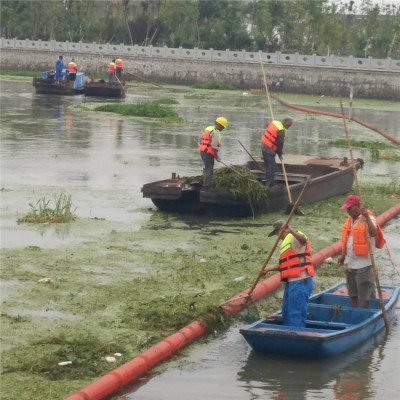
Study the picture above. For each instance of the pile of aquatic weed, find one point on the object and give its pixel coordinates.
(152, 109)
(242, 184)
(214, 85)
(43, 212)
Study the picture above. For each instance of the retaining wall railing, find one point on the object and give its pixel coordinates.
(243, 56)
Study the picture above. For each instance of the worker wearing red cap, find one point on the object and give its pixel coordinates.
(355, 253)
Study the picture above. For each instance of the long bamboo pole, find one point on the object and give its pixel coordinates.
(370, 251)
(266, 86)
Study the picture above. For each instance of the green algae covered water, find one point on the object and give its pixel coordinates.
(123, 276)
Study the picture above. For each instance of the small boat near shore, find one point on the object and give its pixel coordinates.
(104, 89)
(47, 84)
(332, 326)
(326, 177)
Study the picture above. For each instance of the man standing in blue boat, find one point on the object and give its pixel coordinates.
(297, 270)
(209, 146)
(359, 274)
(272, 142)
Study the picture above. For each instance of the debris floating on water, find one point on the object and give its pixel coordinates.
(63, 363)
(45, 280)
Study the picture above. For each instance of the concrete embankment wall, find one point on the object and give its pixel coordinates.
(374, 84)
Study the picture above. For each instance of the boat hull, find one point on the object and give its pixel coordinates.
(48, 85)
(332, 327)
(325, 178)
(102, 89)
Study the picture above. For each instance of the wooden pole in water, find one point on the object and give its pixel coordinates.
(370, 251)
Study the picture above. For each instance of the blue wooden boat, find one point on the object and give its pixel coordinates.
(332, 326)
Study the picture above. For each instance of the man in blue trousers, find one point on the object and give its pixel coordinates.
(297, 270)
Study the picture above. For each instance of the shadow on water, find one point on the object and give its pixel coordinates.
(214, 224)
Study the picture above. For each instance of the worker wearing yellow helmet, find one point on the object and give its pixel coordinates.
(209, 146)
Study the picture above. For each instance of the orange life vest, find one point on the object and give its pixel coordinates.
(111, 67)
(205, 141)
(290, 265)
(360, 245)
(72, 67)
(118, 63)
(269, 137)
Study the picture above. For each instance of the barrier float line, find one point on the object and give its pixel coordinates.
(331, 114)
(131, 370)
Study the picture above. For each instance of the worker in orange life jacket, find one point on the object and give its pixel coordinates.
(209, 146)
(111, 72)
(72, 70)
(297, 270)
(359, 274)
(272, 142)
(118, 68)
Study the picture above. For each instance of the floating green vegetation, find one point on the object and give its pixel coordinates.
(391, 155)
(363, 144)
(243, 185)
(152, 109)
(43, 212)
(378, 150)
(9, 72)
(80, 357)
(391, 189)
(196, 96)
(214, 85)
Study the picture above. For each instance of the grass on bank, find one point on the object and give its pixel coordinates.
(161, 109)
(43, 212)
(8, 72)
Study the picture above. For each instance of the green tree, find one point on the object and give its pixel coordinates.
(186, 32)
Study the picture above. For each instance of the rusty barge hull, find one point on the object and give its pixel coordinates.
(49, 86)
(100, 89)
